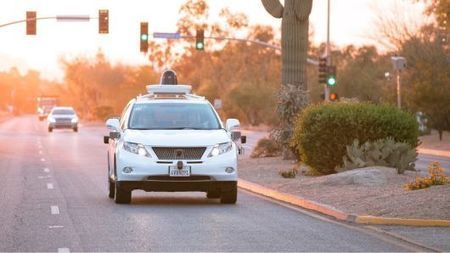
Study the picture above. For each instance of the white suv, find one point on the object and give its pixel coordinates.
(171, 140)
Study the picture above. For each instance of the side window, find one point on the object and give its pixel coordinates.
(124, 116)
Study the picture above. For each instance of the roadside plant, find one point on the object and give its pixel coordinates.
(323, 132)
(266, 148)
(383, 152)
(436, 176)
(291, 173)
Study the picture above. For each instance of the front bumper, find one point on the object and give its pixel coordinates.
(210, 169)
(63, 125)
(178, 186)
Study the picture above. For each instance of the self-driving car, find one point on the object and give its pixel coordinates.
(172, 140)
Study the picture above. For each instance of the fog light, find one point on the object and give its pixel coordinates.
(229, 170)
(127, 170)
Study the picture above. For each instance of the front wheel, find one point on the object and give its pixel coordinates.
(111, 189)
(121, 196)
(229, 196)
(50, 129)
(75, 129)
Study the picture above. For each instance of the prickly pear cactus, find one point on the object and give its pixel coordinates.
(294, 44)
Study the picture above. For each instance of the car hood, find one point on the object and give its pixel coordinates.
(176, 138)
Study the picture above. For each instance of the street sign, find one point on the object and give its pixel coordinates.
(167, 35)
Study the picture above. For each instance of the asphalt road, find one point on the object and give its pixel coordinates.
(54, 198)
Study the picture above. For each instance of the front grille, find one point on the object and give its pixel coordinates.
(63, 120)
(191, 153)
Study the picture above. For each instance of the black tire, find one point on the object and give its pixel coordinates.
(50, 129)
(111, 189)
(229, 196)
(75, 129)
(121, 196)
(213, 194)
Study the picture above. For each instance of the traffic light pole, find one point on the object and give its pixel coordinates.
(328, 52)
(58, 18)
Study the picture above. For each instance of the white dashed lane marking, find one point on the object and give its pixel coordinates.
(50, 186)
(63, 250)
(42, 159)
(54, 209)
(46, 170)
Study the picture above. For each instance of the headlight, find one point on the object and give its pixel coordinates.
(74, 120)
(221, 148)
(136, 148)
(51, 120)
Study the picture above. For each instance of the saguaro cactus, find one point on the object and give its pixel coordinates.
(293, 95)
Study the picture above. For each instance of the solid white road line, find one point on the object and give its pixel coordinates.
(63, 250)
(50, 186)
(46, 170)
(54, 209)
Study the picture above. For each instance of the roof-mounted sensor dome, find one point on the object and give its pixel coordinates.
(169, 77)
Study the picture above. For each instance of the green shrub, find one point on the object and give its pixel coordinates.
(266, 148)
(322, 132)
(103, 112)
(384, 152)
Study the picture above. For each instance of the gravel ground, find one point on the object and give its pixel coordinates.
(389, 199)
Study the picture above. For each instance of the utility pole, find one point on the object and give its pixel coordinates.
(328, 50)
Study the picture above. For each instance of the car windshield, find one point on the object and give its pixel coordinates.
(173, 116)
(63, 112)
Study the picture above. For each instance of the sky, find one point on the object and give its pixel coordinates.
(352, 23)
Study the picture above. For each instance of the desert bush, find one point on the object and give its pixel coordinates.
(291, 173)
(266, 148)
(323, 132)
(436, 176)
(384, 152)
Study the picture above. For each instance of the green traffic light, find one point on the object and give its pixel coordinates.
(199, 45)
(144, 37)
(331, 81)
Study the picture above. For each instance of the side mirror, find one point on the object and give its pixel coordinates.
(243, 139)
(106, 139)
(114, 135)
(113, 124)
(235, 135)
(232, 124)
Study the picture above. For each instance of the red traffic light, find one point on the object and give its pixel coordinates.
(31, 23)
(103, 21)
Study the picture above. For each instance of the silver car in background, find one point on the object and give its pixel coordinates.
(62, 117)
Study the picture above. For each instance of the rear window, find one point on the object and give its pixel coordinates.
(172, 116)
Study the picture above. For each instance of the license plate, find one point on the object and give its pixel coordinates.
(175, 172)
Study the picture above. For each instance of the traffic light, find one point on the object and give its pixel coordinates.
(200, 40)
(31, 23)
(333, 97)
(323, 70)
(103, 21)
(331, 76)
(144, 37)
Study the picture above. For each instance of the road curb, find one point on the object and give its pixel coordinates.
(295, 200)
(333, 212)
(434, 152)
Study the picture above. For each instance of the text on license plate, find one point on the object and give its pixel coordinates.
(175, 172)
